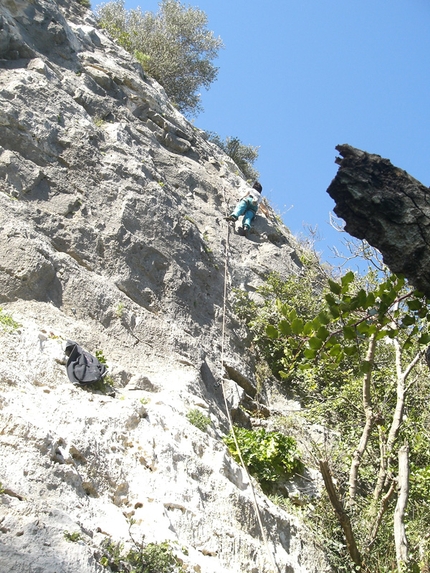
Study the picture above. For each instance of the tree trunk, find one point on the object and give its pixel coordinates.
(341, 514)
(370, 420)
(400, 538)
(387, 450)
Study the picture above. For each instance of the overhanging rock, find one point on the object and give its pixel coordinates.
(388, 208)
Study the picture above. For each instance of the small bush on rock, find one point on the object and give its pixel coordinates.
(243, 155)
(269, 456)
(198, 419)
(7, 322)
(72, 537)
(150, 558)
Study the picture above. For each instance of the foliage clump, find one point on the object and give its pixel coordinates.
(142, 558)
(351, 346)
(243, 155)
(269, 456)
(73, 537)
(173, 46)
(198, 419)
(7, 322)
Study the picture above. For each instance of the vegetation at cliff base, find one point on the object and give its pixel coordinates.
(142, 558)
(352, 348)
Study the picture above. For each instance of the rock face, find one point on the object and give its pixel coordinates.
(112, 234)
(390, 209)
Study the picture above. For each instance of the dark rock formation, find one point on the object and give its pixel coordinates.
(388, 208)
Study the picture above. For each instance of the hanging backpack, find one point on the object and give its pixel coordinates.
(82, 367)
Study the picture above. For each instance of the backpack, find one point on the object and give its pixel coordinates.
(82, 367)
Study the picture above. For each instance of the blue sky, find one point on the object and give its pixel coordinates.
(296, 78)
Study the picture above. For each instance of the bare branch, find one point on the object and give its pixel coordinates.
(402, 555)
(382, 509)
(370, 420)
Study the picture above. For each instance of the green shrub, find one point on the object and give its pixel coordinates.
(150, 558)
(119, 311)
(100, 356)
(198, 419)
(72, 537)
(243, 155)
(269, 456)
(7, 322)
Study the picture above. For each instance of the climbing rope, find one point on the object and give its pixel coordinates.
(230, 421)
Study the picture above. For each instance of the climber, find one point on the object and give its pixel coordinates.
(247, 206)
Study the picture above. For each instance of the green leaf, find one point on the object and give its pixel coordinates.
(310, 353)
(335, 350)
(283, 309)
(315, 343)
(380, 334)
(363, 328)
(346, 280)
(362, 299)
(349, 333)
(330, 341)
(350, 350)
(422, 313)
(392, 332)
(297, 326)
(308, 328)
(272, 332)
(400, 282)
(370, 301)
(414, 304)
(323, 333)
(335, 287)
(323, 318)
(334, 311)
(292, 315)
(284, 327)
(408, 320)
(424, 338)
(331, 301)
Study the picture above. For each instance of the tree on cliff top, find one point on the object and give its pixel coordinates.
(173, 46)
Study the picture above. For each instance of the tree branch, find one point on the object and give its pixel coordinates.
(397, 417)
(370, 420)
(341, 514)
(400, 538)
(382, 509)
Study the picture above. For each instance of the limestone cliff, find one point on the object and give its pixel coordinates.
(112, 234)
(386, 206)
